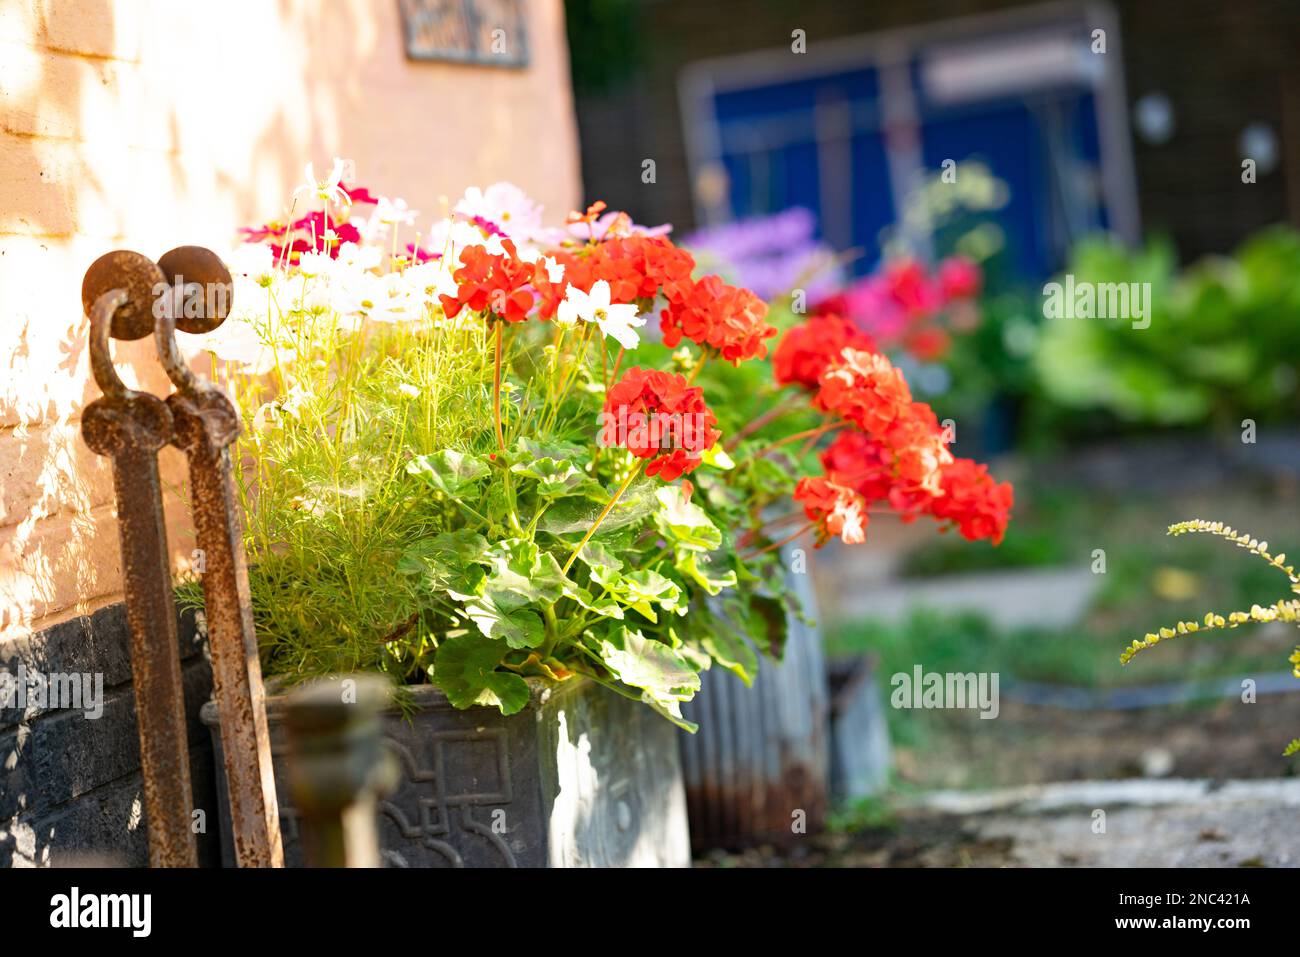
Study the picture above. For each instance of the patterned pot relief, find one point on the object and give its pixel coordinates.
(581, 777)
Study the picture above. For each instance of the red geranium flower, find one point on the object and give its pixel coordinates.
(978, 505)
(927, 344)
(712, 314)
(660, 417)
(866, 389)
(959, 278)
(834, 509)
(496, 283)
(806, 350)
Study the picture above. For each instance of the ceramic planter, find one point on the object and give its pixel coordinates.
(581, 777)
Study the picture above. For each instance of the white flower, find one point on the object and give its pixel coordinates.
(328, 190)
(451, 237)
(312, 265)
(252, 260)
(619, 322)
(237, 342)
(394, 212)
(508, 208)
(408, 390)
(431, 280)
(354, 293)
(396, 300)
(554, 270)
(361, 258)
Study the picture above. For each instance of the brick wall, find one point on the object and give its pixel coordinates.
(1222, 64)
(70, 788)
(148, 124)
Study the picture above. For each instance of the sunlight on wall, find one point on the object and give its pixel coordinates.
(146, 124)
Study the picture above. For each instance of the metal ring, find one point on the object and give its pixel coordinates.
(169, 354)
(101, 356)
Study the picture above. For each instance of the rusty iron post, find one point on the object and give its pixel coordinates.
(118, 294)
(206, 425)
(339, 768)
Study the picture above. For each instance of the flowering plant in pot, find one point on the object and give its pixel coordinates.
(468, 466)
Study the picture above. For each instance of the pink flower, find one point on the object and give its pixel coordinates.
(959, 278)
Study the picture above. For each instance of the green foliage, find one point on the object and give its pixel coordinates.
(1223, 341)
(868, 813)
(387, 530)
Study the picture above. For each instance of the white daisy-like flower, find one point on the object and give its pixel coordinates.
(314, 265)
(394, 212)
(505, 206)
(431, 280)
(361, 258)
(328, 190)
(253, 261)
(617, 321)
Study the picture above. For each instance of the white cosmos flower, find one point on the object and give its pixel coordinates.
(619, 322)
(450, 237)
(362, 258)
(554, 270)
(238, 342)
(328, 190)
(394, 212)
(507, 207)
(313, 265)
(397, 300)
(430, 280)
(252, 260)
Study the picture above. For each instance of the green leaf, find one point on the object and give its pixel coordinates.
(664, 678)
(730, 649)
(498, 617)
(532, 450)
(688, 563)
(465, 669)
(521, 568)
(444, 557)
(555, 478)
(575, 514)
(448, 471)
(448, 563)
(684, 522)
(1292, 748)
(644, 589)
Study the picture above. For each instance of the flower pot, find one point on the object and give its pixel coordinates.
(757, 771)
(581, 777)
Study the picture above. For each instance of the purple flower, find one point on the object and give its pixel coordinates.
(771, 254)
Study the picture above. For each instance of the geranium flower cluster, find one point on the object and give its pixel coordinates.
(661, 418)
(892, 449)
(438, 389)
(493, 261)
